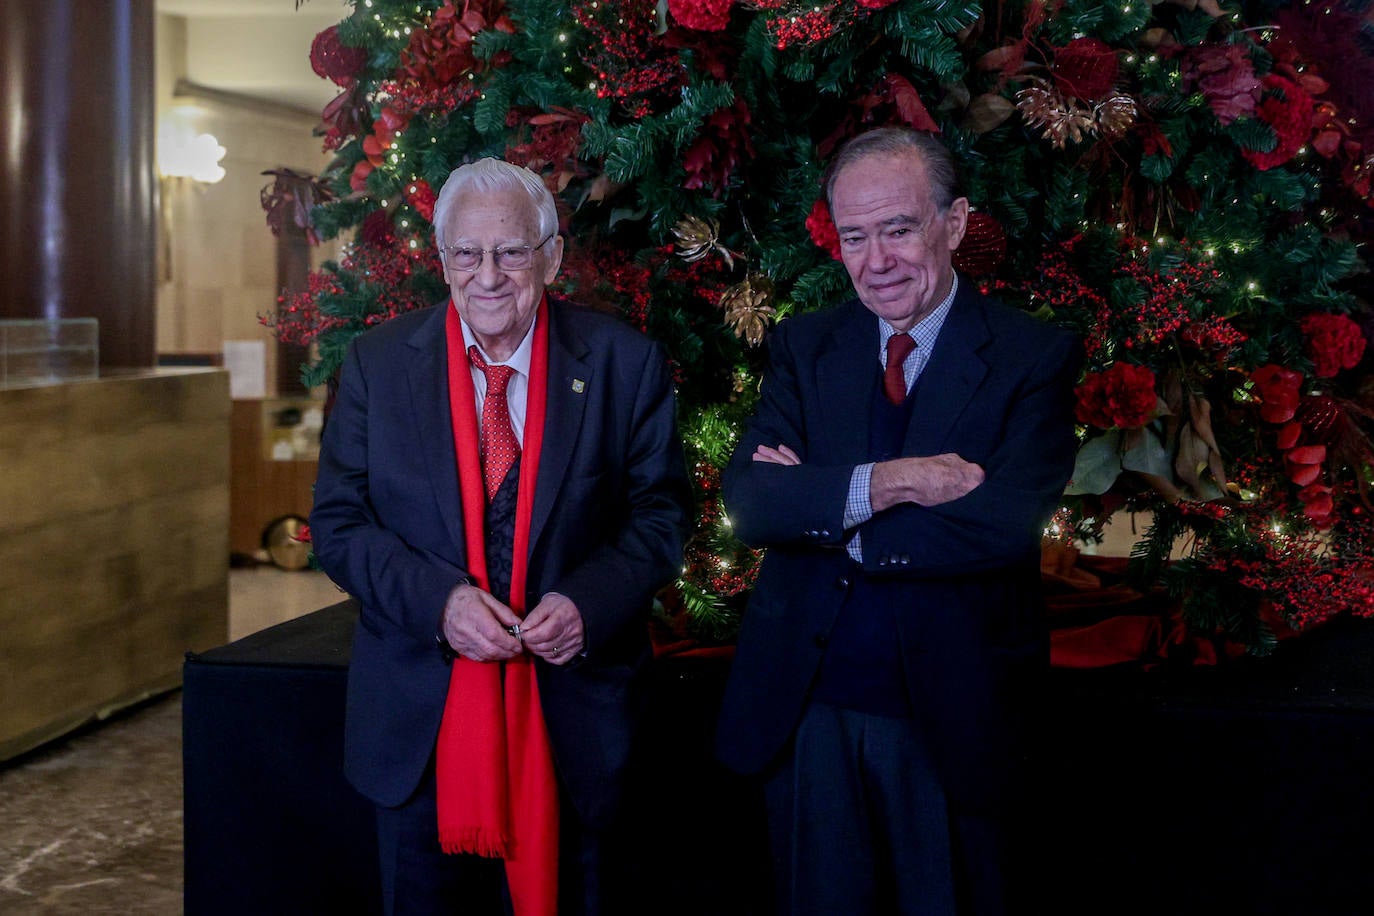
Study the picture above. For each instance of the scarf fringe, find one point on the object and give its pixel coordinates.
(477, 841)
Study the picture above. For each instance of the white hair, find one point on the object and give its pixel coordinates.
(495, 175)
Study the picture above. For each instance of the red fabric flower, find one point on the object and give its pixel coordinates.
(1288, 109)
(1086, 69)
(1305, 463)
(1279, 390)
(723, 145)
(334, 60)
(358, 179)
(1317, 504)
(421, 196)
(1122, 396)
(1226, 77)
(822, 229)
(703, 15)
(1334, 342)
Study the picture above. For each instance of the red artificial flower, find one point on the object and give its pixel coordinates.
(335, 61)
(358, 179)
(1123, 396)
(1226, 76)
(1288, 109)
(1086, 69)
(1334, 342)
(347, 115)
(703, 15)
(1317, 504)
(1305, 463)
(377, 230)
(822, 229)
(723, 144)
(1279, 390)
(421, 196)
(876, 4)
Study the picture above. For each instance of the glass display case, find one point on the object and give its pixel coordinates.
(39, 351)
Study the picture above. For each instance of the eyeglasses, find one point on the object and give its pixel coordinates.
(510, 257)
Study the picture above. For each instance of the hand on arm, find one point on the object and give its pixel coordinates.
(928, 481)
(476, 625)
(780, 455)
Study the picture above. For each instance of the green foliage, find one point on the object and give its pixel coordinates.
(639, 126)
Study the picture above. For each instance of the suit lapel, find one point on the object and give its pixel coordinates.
(429, 404)
(847, 374)
(570, 383)
(951, 377)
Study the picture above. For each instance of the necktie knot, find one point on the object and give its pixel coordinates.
(899, 347)
(498, 377)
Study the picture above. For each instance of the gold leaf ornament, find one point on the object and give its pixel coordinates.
(697, 237)
(1059, 120)
(747, 307)
(1063, 120)
(1115, 116)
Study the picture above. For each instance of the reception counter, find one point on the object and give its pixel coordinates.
(114, 520)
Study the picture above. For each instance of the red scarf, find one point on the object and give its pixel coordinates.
(494, 776)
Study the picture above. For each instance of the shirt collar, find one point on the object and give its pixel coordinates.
(927, 329)
(519, 360)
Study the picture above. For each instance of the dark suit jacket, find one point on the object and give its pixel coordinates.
(998, 390)
(609, 518)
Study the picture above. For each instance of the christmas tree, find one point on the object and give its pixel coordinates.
(1183, 183)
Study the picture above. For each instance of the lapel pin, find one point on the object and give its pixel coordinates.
(578, 386)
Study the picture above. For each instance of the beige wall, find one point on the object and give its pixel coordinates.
(217, 259)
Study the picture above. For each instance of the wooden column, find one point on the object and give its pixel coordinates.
(77, 179)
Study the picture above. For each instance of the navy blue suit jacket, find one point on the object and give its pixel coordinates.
(998, 391)
(609, 518)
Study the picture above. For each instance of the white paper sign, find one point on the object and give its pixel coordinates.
(246, 361)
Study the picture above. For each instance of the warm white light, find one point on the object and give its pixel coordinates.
(184, 153)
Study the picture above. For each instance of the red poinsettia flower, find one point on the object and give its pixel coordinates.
(1334, 342)
(1288, 110)
(1123, 396)
(723, 145)
(703, 15)
(1226, 76)
(1279, 390)
(822, 229)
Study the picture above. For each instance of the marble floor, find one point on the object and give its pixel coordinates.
(91, 823)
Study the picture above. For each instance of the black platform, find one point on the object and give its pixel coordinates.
(1242, 789)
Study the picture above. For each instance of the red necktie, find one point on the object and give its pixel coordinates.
(899, 346)
(499, 445)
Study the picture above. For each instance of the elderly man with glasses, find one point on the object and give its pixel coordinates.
(502, 488)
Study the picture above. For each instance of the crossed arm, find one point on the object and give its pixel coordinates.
(928, 481)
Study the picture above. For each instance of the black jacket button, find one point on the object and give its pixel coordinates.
(821, 640)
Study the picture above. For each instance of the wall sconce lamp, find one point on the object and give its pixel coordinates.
(184, 153)
(186, 158)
